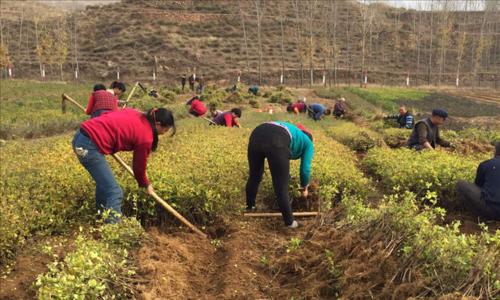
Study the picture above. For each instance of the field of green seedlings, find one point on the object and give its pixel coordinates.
(389, 223)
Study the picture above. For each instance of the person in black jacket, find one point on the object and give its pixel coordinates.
(425, 134)
(483, 196)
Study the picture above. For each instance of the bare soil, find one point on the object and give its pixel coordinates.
(234, 266)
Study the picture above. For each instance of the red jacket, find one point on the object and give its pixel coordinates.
(225, 119)
(101, 100)
(301, 106)
(198, 107)
(124, 130)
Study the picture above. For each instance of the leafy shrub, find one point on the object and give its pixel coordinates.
(449, 260)
(214, 96)
(422, 171)
(396, 137)
(281, 98)
(386, 97)
(96, 268)
(355, 137)
(43, 184)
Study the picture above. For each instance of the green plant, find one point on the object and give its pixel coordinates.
(96, 268)
(420, 172)
(293, 245)
(280, 97)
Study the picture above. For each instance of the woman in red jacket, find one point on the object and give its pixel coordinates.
(125, 130)
(101, 101)
(197, 108)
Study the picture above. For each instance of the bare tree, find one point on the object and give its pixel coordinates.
(446, 27)
(334, 40)
(258, 10)
(311, 50)
(282, 43)
(296, 4)
(242, 17)
(482, 45)
(429, 66)
(462, 39)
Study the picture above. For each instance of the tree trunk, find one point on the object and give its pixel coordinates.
(242, 17)
(429, 66)
(282, 78)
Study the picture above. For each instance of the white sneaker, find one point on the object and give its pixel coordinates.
(294, 224)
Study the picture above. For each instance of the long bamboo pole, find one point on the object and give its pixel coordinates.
(157, 198)
(295, 214)
(131, 93)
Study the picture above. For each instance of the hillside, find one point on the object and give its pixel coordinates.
(209, 35)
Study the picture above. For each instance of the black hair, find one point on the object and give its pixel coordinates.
(237, 112)
(309, 135)
(99, 87)
(497, 148)
(289, 108)
(163, 116)
(118, 85)
(328, 111)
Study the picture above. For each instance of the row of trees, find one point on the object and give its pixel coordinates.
(41, 36)
(438, 40)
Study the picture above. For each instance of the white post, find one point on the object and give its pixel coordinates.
(10, 72)
(324, 78)
(281, 79)
(457, 82)
(117, 75)
(76, 73)
(407, 80)
(154, 76)
(43, 72)
(239, 79)
(366, 79)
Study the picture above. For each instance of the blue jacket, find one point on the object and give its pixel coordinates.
(300, 147)
(488, 179)
(316, 110)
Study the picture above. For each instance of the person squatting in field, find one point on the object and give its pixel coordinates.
(100, 101)
(228, 118)
(197, 108)
(279, 142)
(125, 130)
(404, 119)
(316, 111)
(483, 196)
(297, 107)
(425, 134)
(339, 109)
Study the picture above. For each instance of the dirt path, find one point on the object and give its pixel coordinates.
(181, 266)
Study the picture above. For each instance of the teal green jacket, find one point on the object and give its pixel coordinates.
(300, 147)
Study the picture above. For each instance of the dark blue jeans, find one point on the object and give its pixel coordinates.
(108, 194)
(97, 113)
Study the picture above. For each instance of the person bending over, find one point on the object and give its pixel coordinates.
(125, 130)
(278, 142)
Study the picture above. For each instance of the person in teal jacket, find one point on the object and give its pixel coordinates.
(279, 142)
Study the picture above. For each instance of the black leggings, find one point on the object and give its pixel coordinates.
(271, 142)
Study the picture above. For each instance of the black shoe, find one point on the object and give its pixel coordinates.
(251, 209)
